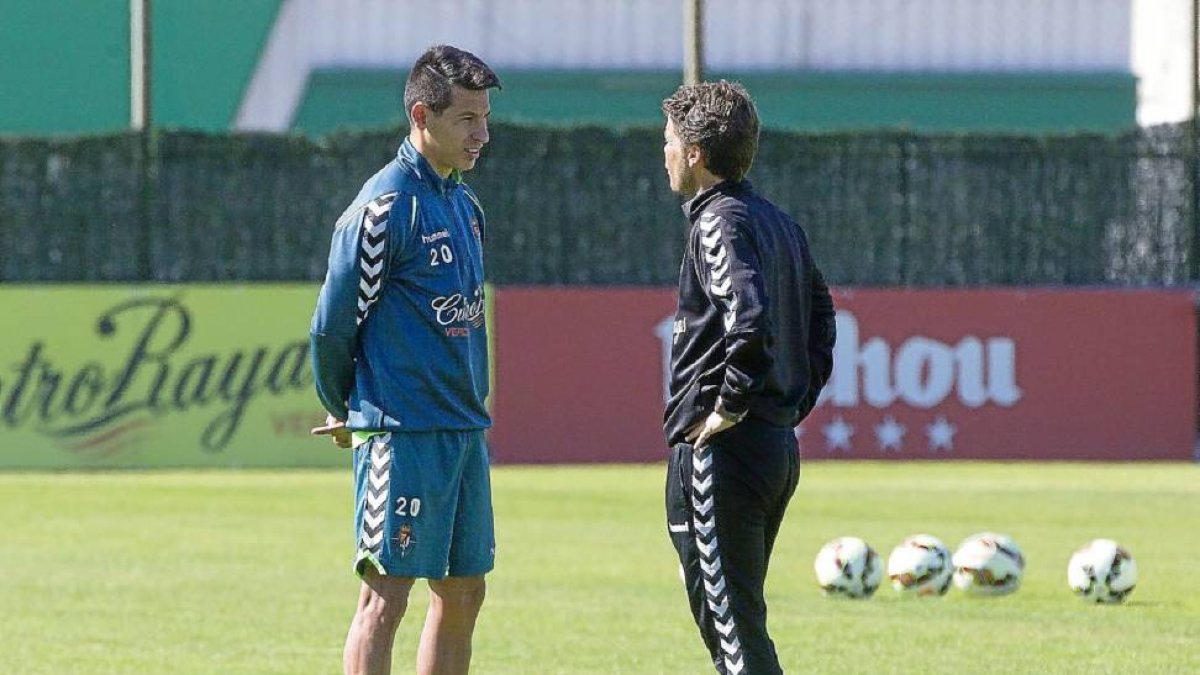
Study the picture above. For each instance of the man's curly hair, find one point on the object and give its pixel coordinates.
(719, 118)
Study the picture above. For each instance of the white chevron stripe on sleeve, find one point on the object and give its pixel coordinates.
(379, 208)
(374, 225)
(369, 289)
(720, 265)
(718, 259)
(372, 249)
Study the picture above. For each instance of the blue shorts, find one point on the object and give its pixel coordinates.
(424, 505)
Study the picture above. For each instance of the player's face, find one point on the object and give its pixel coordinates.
(454, 138)
(679, 173)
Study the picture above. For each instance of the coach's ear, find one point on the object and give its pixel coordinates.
(694, 156)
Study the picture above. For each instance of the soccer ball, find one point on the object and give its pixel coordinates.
(988, 564)
(1102, 571)
(920, 565)
(848, 566)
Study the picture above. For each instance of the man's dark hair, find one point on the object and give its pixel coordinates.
(440, 67)
(719, 118)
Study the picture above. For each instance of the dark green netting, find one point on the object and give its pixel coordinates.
(70, 210)
(591, 206)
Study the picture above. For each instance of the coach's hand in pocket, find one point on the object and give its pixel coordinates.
(712, 425)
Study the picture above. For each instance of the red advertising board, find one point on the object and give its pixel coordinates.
(579, 374)
(919, 374)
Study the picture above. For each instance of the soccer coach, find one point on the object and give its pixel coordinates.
(752, 348)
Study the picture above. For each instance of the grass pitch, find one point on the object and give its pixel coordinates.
(248, 572)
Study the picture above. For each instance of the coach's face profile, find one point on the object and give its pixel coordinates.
(680, 161)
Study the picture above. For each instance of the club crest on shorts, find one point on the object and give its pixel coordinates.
(404, 539)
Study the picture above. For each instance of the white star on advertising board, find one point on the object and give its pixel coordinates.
(890, 434)
(837, 434)
(941, 434)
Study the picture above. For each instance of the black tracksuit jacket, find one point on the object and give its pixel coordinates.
(754, 331)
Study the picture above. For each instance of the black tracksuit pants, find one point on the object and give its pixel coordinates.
(725, 502)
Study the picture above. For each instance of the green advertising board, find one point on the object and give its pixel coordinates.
(159, 376)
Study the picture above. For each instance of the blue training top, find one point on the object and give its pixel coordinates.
(398, 337)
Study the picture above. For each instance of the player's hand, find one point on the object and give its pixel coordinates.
(336, 430)
(712, 425)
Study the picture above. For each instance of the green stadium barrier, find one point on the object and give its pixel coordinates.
(590, 206)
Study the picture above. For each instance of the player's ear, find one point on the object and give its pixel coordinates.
(694, 155)
(419, 115)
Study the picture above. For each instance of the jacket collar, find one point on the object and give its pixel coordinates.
(693, 207)
(415, 163)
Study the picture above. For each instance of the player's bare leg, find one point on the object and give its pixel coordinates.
(454, 604)
(381, 605)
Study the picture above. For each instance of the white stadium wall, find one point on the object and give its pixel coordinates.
(1162, 60)
(813, 35)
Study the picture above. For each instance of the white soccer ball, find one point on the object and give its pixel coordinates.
(1102, 571)
(920, 565)
(988, 564)
(848, 566)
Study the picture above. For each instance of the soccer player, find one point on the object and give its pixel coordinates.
(753, 346)
(399, 352)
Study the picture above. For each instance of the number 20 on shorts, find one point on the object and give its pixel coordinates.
(408, 506)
